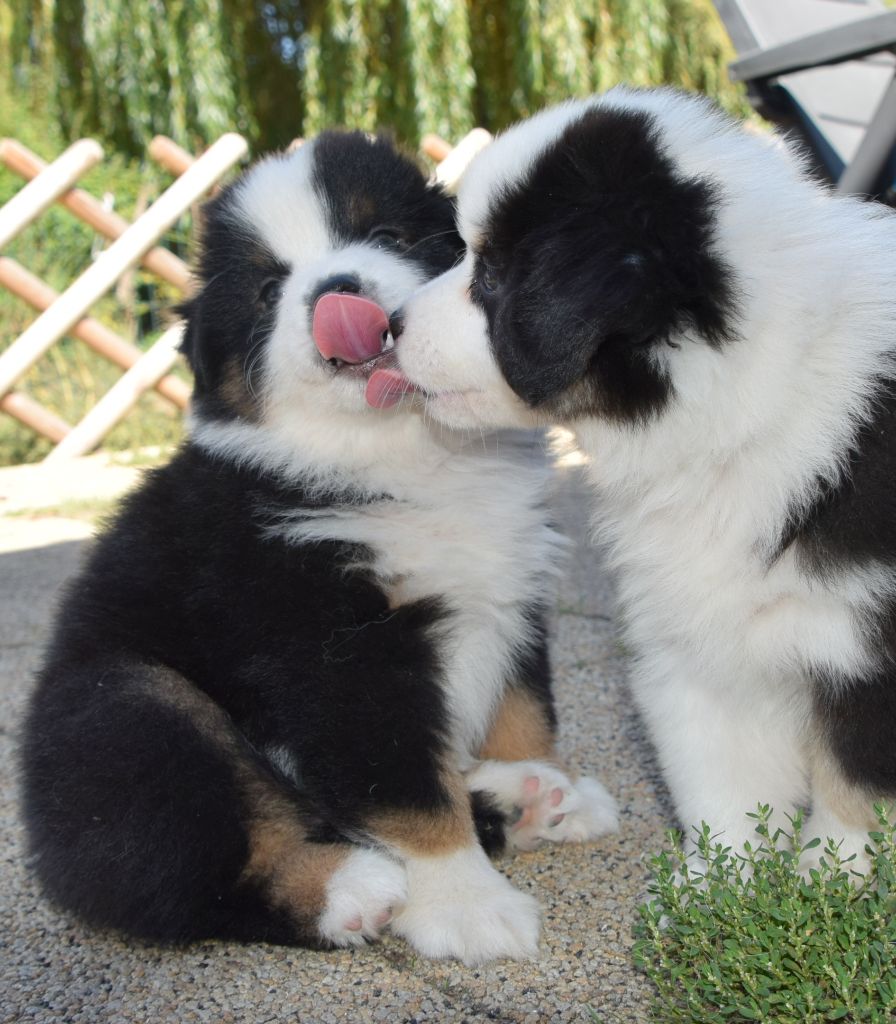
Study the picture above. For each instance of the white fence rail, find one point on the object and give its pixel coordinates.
(66, 313)
(109, 266)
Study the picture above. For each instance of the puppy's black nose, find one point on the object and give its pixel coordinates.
(346, 283)
(396, 323)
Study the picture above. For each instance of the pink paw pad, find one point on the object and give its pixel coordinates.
(536, 803)
(543, 805)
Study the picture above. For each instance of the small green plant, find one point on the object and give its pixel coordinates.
(749, 937)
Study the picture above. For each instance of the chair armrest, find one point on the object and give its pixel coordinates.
(830, 46)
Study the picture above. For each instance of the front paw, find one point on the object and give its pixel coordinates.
(543, 804)
(460, 906)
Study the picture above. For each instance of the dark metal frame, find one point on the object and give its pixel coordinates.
(760, 68)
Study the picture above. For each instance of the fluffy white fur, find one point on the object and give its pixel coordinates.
(459, 906)
(690, 505)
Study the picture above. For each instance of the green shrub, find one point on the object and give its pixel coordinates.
(274, 70)
(749, 938)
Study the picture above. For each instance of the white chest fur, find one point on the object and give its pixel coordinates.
(691, 538)
(472, 531)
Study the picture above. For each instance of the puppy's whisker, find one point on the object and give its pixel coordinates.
(427, 238)
(254, 357)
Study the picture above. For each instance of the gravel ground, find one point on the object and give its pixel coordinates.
(53, 970)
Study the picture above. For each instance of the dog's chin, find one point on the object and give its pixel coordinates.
(457, 410)
(465, 400)
(475, 409)
(308, 385)
(347, 385)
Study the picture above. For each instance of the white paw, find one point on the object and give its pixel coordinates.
(545, 805)
(460, 906)
(362, 895)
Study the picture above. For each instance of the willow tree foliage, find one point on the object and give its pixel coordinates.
(273, 69)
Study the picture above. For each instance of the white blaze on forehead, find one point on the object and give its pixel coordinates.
(277, 198)
(505, 162)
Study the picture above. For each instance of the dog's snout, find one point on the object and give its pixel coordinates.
(347, 284)
(396, 323)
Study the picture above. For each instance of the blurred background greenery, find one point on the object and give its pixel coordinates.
(123, 71)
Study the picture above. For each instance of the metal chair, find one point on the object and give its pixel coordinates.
(824, 70)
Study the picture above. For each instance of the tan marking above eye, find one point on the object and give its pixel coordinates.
(362, 209)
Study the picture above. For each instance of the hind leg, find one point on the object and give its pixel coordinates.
(148, 812)
(335, 894)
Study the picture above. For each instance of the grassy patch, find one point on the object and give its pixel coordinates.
(749, 938)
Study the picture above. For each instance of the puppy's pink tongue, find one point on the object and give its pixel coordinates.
(348, 327)
(386, 388)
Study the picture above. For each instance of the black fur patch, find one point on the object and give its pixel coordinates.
(232, 315)
(857, 717)
(601, 254)
(532, 671)
(102, 761)
(855, 521)
(853, 524)
(390, 201)
(490, 822)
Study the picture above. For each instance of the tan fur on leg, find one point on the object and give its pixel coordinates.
(521, 731)
(432, 832)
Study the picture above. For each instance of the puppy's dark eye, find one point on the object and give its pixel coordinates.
(488, 278)
(270, 292)
(387, 238)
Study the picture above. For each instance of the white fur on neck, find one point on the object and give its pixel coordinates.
(465, 524)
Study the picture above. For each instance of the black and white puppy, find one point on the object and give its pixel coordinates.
(309, 647)
(720, 334)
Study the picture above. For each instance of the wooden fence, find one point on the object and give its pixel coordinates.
(67, 313)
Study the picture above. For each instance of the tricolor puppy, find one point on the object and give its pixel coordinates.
(308, 656)
(720, 334)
